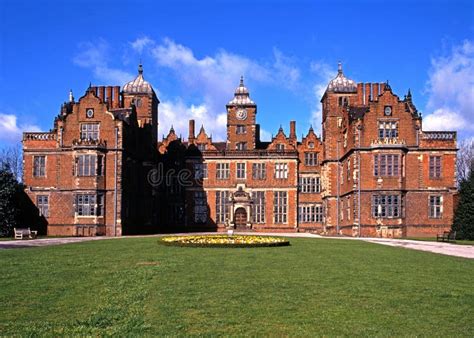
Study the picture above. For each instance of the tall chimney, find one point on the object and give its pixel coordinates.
(368, 93)
(102, 93)
(375, 91)
(360, 93)
(109, 96)
(116, 99)
(293, 130)
(191, 131)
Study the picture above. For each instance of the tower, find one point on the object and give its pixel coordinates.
(140, 93)
(340, 93)
(242, 130)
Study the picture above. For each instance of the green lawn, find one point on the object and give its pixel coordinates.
(313, 287)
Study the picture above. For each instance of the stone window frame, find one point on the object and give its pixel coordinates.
(200, 207)
(241, 146)
(281, 170)
(42, 203)
(241, 170)
(310, 213)
(222, 206)
(89, 204)
(386, 165)
(280, 147)
(89, 132)
(222, 170)
(39, 166)
(390, 206)
(435, 206)
(435, 166)
(90, 167)
(310, 158)
(386, 129)
(309, 184)
(280, 207)
(259, 171)
(258, 206)
(200, 171)
(241, 129)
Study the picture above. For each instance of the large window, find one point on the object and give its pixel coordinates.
(310, 159)
(241, 172)
(386, 165)
(89, 205)
(222, 206)
(42, 202)
(90, 131)
(200, 207)
(386, 206)
(310, 185)
(435, 166)
(281, 170)
(258, 207)
(223, 171)
(436, 208)
(388, 129)
(88, 165)
(259, 171)
(310, 213)
(39, 166)
(200, 170)
(280, 206)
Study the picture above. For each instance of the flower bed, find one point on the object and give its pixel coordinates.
(221, 241)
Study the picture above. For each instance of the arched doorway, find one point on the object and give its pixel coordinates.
(240, 219)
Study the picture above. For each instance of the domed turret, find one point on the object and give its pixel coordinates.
(341, 84)
(139, 85)
(241, 95)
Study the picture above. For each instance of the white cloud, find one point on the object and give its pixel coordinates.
(94, 56)
(141, 43)
(177, 113)
(451, 90)
(10, 130)
(214, 78)
(265, 135)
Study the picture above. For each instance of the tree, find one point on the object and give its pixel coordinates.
(12, 157)
(465, 159)
(9, 209)
(463, 222)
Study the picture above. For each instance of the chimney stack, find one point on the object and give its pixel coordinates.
(116, 98)
(293, 130)
(109, 96)
(191, 131)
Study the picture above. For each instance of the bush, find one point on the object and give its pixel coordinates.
(463, 222)
(9, 209)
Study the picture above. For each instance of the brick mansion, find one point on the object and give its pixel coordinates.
(373, 171)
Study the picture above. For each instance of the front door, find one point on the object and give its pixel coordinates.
(240, 219)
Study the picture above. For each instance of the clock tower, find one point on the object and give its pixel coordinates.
(242, 129)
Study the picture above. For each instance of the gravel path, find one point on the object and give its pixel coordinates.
(466, 251)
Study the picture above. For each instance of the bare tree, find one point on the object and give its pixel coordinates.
(12, 158)
(465, 159)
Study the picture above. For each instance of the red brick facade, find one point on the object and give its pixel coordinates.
(374, 172)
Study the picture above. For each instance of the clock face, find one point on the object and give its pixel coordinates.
(388, 111)
(241, 114)
(90, 113)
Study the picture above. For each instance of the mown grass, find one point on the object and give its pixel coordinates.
(313, 287)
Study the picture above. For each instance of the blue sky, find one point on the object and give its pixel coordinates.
(194, 53)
